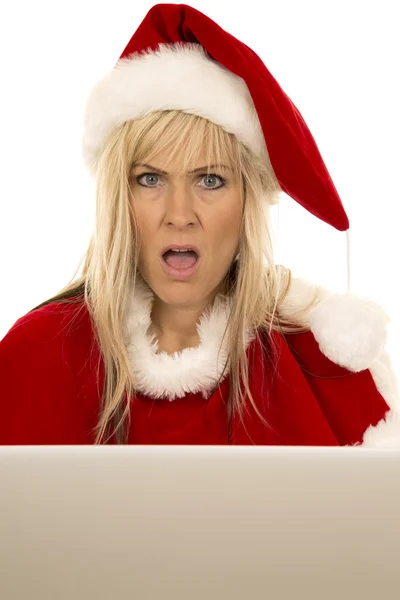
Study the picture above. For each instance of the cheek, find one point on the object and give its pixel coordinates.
(147, 232)
(146, 221)
(228, 218)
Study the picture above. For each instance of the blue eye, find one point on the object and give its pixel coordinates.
(211, 177)
(151, 180)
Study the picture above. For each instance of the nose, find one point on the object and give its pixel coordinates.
(179, 204)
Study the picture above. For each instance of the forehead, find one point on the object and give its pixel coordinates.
(184, 161)
(183, 146)
(158, 167)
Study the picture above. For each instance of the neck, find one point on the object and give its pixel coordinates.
(179, 323)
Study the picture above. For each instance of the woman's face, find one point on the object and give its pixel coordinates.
(196, 208)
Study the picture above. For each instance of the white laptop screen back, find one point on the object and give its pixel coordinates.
(199, 523)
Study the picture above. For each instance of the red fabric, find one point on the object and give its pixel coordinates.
(294, 155)
(49, 394)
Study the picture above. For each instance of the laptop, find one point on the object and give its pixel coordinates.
(199, 523)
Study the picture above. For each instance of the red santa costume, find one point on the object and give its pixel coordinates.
(334, 384)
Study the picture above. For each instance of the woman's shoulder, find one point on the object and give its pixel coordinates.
(343, 356)
(347, 328)
(49, 340)
(46, 324)
(46, 372)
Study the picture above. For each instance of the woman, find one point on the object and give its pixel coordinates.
(190, 142)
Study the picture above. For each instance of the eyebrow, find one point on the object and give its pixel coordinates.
(194, 170)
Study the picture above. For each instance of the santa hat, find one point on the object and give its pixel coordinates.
(178, 58)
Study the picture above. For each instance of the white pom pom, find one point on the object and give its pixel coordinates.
(350, 331)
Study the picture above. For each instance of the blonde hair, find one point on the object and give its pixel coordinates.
(256, 285)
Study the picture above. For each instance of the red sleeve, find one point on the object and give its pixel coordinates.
(350, 402)
(38, 393)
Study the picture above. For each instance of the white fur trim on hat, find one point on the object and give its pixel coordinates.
(175, 76)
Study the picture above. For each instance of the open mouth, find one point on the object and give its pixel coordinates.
(180, 259)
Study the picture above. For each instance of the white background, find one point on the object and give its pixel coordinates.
(337, 60)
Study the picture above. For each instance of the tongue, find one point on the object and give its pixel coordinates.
(180, 260)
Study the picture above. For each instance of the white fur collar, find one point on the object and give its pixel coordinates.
(189, 371)
(350, 331)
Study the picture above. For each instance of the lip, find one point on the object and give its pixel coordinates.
(181, 247)
(179, 274)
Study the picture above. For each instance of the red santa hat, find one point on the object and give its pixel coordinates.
(178, 58)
